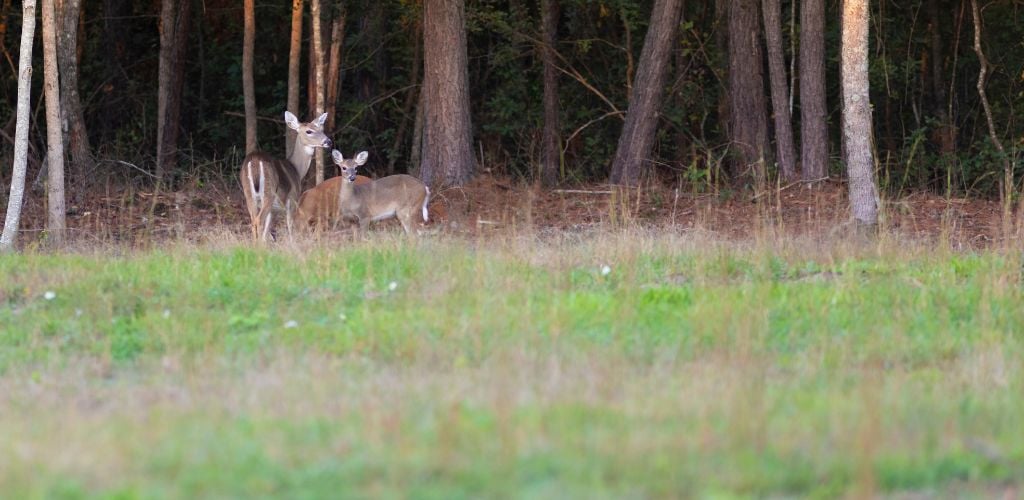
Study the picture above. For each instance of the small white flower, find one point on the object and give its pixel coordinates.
(605, 270)
(49, 295)
(392, 286)
(342, 317)
(78, 312)
(167, 313)
(291, 324)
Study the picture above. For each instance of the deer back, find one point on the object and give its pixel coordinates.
(279, 175)
(384, 197)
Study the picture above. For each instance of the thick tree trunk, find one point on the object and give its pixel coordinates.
(294, 60)
(785, 151)
(67, 14)
(813, 129)
(637, 138)
(55, 222)
(748, 121)
(174, 24)
(857, 113)
(318, 81)
(334, 65)
(447, 148)
(13, 218)
(551, 141)
(248, 88)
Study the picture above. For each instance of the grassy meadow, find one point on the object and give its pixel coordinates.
(615, 364)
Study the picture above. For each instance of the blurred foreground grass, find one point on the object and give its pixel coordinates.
(512, 367)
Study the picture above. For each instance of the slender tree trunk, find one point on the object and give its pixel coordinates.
(13, 218)
(637, 138)
(174, 24)
(68, 15)
(1007, 182)
(318, 68)
(785, 151)
(447, 148)
(857, 113)
(55, 222)
(813, 129)
(334, 65)
(248, 88)
(551, 141)
(748, 120)
(294, 60)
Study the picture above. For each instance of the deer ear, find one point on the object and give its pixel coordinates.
(319, 122)
(291, 120)
(337, 156)
(361, 158)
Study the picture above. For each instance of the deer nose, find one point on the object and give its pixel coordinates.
(327, 143)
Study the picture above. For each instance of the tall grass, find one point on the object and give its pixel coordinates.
(632, 363)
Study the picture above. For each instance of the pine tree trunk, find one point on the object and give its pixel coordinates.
(55, 222)
(318, 82)
(13, 218)
(633, 152)
(813, 128)
(551, 142)
(248, 88)
(67, 14)
(174, 24)
(294, 61)
(447, 148)
(857, 113)
(334, 66)
(748, 121)
(785, 151)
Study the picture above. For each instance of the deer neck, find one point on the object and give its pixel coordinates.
(300, 158)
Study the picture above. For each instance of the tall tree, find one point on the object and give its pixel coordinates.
(334, 64)
(1007, 182)
(785, 151)
(317, 54)
(637, 137)
(248, 88)
(857, 113)
(55, 222)
(813, 129)
(447, 142)
(175, 16)
(67, 16)
(748, 123)
(294, 60)
(551, 142)
(13, 218)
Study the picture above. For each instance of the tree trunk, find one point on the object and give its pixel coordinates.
(785, 151)
(248, 88)
(294, 60)
(174, 24)
(813, 129)
(13, 218)
(411, 99)
(748, 121)
(318, 82)
(55, 222)
(857, 113)
(334, 66)
(67, 14)
(551, 142)
(1007, 183)
(637, 138)
(447, 148)
(945, 133)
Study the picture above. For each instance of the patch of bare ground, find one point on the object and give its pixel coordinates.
(489, 205)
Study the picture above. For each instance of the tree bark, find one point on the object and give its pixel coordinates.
(748, 121)
(248, 88)
(637, 138)
(1007, 182)
(174, 25)
(318, 82)
(55, 222)
(813, 129)
(334, 65)
(551, 141)
(294, 60)
(67, 14)
(785, 151)
(857, 113)
(13, 218)
(447, 148)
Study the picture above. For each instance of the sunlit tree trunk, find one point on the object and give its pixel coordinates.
(785, 151)
(248, 88)
(318, 81)
(13, 219)
(857, 113)
(55, 222)
(294, 60)
(813, 129)
(551, 142)
(632, 156)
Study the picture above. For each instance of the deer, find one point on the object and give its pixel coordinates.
(318, 206)
(271, 183)
(402, 196)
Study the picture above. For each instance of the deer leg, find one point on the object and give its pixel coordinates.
(266, 216)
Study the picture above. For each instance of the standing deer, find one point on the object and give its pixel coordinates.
(318, 206)
(270, 183)
(402, 196)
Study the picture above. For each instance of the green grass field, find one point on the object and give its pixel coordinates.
(512, 367)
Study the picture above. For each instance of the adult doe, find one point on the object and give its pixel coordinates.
(270, 183)
(402, 196)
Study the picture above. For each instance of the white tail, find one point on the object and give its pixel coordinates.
(280, 180)
(398, 196)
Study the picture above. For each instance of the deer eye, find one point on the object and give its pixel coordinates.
(309, 132)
